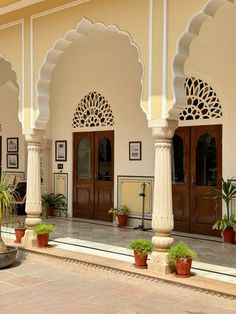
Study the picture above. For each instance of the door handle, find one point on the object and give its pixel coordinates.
(186, 179)
(193, 179)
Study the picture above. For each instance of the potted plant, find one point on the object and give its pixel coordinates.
(7, 202)
(227, 225)
(42, 231)
(52, 201)
(121, 213)
(141, 248)
(180, 258)
(19, 229)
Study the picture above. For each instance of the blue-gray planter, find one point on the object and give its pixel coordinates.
(8, 257)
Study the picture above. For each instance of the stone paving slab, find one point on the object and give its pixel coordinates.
(76, 292)
(74, 260)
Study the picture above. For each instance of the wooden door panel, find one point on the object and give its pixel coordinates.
(104, 175)
(194, 211)
(180, 184)
(83, 183)
(92, 181)
(104, 202)
(204, 211)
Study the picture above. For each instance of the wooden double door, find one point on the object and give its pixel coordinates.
(196, 170)
(93, 174)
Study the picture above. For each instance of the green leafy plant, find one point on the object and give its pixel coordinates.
(178, 251)
(54, 200)
(142, 246)
(227, 194)
(20, 223)
(121, 210)
(43, 228)
(7, 202)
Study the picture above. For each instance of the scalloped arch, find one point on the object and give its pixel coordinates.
(84, 28)
(183, 46)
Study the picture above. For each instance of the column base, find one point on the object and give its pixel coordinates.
(29, 239)
(158, 263)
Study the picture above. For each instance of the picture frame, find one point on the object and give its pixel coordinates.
(135, 150)
(12, 161)
(61, 150)
(12, 144)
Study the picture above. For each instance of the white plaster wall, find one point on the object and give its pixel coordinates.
(11, 126)
(107, 63)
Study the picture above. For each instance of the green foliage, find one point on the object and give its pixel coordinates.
(54, 200)
(143, 246)
(178, 251)
(225, 223)
(7, 202)
(227, 194)
(7, 199)
(121, 210)
(43, 228)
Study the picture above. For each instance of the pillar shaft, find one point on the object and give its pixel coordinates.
(162, 217)
(33, 193)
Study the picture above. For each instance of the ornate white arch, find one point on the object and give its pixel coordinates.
(84, 28)
(183, 46)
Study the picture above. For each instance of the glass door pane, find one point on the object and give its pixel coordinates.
(206, 161)
(84, 171)
(104, 160)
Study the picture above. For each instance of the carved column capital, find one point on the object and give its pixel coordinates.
(34, 136)
(163, 130)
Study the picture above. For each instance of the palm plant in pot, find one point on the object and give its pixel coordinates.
(7, 202)
(141, 248)
(52, 201)
(42, 231)
(180, 258)
(227, 225)
(121, 213)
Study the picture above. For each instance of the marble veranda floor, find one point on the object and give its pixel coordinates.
(215, 260)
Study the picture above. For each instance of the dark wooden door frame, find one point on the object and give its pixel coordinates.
(187, 195)
(92, 197)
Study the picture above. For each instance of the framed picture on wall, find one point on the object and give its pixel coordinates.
(135, 152)
(12, 161)
(61, 150)
(12, 144)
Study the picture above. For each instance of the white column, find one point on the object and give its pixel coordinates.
(45, 156)
(33, 193)
(162, 217)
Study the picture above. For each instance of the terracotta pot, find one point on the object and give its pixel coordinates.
(50, 212)
(140, 260)
(42, 239)
(183, 266)
(122, 220)
(20, 232)
(229, 235)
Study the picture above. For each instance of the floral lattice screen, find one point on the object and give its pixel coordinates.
(202, 101)
(93, 110)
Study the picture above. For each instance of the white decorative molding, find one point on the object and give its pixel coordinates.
(202, 101)
(32, 18)
(84, 28)
(149, 115)
(18, 5)
(93, 111)
(192, 31)
(164, 58)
